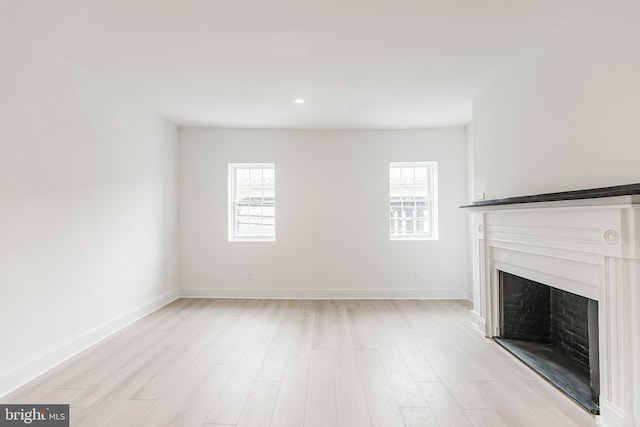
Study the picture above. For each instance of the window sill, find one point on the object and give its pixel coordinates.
(412, 238)
(252, 239)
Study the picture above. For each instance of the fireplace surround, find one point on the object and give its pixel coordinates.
(586, 243)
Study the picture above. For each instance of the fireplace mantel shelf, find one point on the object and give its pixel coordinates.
(592, 193)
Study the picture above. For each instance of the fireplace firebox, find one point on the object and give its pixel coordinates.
(555, 333)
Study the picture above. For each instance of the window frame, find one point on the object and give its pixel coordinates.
(232, 189)
(432, 191)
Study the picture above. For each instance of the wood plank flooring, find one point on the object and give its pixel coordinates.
(225, 362)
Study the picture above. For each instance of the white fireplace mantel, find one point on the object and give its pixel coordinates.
(590, 247)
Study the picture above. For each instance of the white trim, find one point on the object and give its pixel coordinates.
(253, 239)
(613, 416)
(477, 321)
(36, 366)
(399, 237)
(455, 294)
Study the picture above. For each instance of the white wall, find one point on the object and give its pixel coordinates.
(87, 210)
(566, 117)
(473, 282)
(331, 215)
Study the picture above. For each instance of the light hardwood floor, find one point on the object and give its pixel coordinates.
(240, 363)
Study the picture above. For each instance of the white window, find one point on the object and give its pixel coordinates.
(413, 205)
(252, 202)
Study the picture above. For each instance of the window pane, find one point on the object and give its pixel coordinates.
(242, 176)
(407, 175)
(256, 177)
(394, 176)
(421, 175)
(269, 176)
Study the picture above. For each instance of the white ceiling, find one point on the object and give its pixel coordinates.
(359, 64)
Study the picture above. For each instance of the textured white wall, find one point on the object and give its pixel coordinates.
(566, 117)
(331, 215)
(87, 210)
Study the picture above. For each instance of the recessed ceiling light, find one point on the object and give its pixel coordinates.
(298, 101)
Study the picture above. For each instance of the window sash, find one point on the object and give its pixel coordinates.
(252, 201)
(413, 200)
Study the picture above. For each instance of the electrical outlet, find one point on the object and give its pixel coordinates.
(480, 196)
(249, 276)
(416, 277)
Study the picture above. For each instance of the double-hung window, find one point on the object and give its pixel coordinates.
(252, 202)
(413, 204)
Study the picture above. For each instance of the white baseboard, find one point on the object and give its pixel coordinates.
(36, 366)
(478, 322)
(612, 416)
(326, 293)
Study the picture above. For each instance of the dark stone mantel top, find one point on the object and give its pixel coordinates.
(592, 193)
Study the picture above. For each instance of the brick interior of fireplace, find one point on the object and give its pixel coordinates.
(555, 333)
